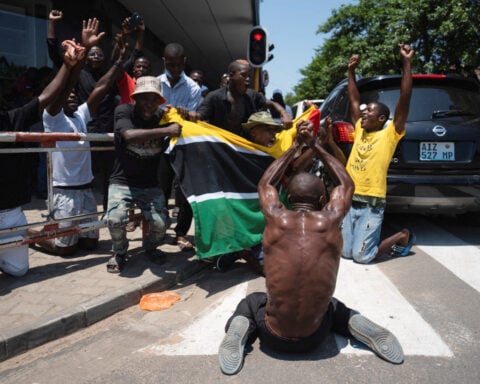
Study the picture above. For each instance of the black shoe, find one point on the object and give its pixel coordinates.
(116, 263)
(379, 339)
(224, 262)
(230, 352)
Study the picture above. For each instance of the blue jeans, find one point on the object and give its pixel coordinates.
(121, 198)
(361, 231)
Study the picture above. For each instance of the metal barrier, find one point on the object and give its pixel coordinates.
(51, 227)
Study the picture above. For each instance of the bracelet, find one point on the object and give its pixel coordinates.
(117, 64)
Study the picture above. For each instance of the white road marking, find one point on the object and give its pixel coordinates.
(367, 290)
(463, 263)
(364, 288)
(206, 332)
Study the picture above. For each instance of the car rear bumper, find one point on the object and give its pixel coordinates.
(434, 198)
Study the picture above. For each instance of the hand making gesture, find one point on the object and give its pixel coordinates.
(90, 35)
(73, 52)
(55, 15)
(406, 51)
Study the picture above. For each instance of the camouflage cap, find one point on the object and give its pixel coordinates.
(260, 118)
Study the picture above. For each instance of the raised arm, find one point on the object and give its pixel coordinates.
(403, 105)
(76, 54)
(52, 42)
(137, 49)
(268, 195)
(52, 92)
(106, 81)
(284, 116)
(353, 94)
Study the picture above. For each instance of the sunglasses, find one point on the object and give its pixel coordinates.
(95, 54)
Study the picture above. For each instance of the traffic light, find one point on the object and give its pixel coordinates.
(257, 53)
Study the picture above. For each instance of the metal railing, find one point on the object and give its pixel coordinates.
(51, 227)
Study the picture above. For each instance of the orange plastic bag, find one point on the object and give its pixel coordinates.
(158, 301)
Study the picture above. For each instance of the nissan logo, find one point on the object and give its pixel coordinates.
(439, 130)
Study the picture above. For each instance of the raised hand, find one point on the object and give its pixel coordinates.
(55, 15)
(126, 26)
(90, 35)
(122, 47)
(304, 132)
(73, 52)
(354, 61)
(406, 51)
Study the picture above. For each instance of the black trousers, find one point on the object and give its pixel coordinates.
(166, 177)
(253, 307)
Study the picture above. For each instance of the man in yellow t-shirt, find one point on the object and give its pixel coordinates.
(376, 138)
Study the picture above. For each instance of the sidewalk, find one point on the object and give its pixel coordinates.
(60, 295)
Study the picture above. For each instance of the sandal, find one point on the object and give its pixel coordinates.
(156, 256)
(116, 263)
(184, 244)
(400, 250)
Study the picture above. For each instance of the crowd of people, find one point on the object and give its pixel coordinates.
(305, 236)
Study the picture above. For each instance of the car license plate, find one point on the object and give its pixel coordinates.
(437, 151)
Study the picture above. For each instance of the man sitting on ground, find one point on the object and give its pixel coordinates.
(302, 249)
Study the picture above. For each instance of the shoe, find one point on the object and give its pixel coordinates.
(156, 256)
(184, 244)
(230, 352)
(400, 250)
(116, 263)
(379, 339)
(224, 262)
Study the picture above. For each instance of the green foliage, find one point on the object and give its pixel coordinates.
(442, 32)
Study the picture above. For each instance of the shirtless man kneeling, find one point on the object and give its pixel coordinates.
(302, 248)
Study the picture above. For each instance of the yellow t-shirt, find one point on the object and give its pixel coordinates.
(370, 158)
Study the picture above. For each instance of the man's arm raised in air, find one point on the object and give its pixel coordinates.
(267, 192)
(353, 94)
(403, 104)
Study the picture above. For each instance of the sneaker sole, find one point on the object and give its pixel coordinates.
(379, 339)
(230, 352)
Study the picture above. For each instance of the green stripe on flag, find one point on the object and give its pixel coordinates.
(227, 225)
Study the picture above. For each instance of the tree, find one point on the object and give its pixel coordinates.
(442, 32)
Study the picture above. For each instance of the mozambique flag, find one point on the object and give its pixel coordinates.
(219, 172)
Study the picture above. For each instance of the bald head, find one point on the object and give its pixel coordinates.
(305, 188)
(173, 50)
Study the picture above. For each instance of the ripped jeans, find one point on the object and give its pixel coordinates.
(361, 230)
(122, 198)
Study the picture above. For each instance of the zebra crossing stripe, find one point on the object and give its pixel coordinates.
(367, 290)
(463, 263)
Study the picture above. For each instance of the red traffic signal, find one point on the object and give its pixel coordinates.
(257, 52)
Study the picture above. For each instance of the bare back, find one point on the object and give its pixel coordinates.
(302, 254)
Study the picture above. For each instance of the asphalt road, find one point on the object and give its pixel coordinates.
(429, 299)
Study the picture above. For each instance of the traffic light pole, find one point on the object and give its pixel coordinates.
(256, 78)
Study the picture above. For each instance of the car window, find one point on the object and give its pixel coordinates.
(427, 100)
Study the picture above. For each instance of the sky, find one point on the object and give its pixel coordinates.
(291, 27)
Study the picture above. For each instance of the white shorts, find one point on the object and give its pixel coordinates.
(13, 260)
(73, 202)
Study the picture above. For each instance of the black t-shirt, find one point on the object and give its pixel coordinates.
(217, 109)
(136, 164)
(16, 168)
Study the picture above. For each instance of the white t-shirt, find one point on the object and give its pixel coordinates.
(73, 167)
